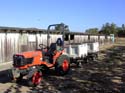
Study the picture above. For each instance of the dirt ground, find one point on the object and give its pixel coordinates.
(104, 75)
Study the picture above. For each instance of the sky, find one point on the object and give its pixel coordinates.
(79, 15)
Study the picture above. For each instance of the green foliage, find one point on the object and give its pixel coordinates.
(58, 27)
(121, 31)
(92, 31)
(109, 29)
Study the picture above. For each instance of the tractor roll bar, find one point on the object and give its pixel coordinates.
(62, 26)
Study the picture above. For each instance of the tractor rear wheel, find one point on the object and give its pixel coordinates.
(35, 79)
(62, 65)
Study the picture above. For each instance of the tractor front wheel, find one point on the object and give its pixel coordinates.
(62, 65)
(35, 79)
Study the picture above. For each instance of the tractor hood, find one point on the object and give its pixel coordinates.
(31, 54)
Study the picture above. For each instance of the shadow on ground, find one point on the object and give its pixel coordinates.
(105, 75)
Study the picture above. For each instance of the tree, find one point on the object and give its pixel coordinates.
(109, 29)
(113, 29)
(92, 31)
(58, 27)
(121, 31)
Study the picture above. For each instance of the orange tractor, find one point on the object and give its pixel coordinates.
(31, 64)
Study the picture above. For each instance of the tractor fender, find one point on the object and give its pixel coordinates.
(31, 71)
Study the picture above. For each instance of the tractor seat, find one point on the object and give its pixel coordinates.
(51, 49)
(48, 56)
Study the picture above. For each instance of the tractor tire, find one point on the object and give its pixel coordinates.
(62, 65)
(45, 70)
(19, 79)
(35, 79)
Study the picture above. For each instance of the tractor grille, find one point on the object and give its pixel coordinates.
(19, 60)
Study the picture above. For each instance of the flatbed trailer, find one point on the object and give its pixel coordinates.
(82, 53)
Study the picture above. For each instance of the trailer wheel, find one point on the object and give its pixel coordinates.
(90, 58)
(86, 60)
(35, 79)
(94, 57)
(62, 65)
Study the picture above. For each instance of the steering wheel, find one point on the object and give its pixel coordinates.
(42, 46)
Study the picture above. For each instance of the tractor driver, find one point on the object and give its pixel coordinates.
(54, 47)
(59, 44)
(59, 49)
